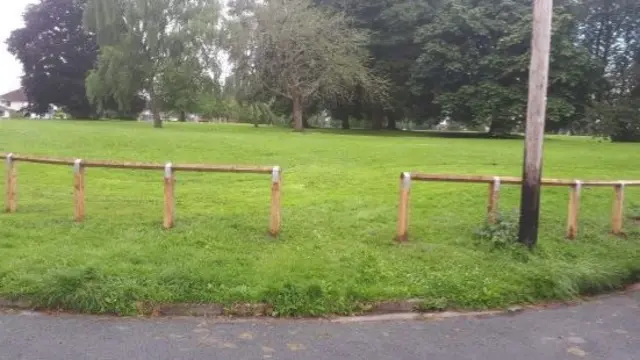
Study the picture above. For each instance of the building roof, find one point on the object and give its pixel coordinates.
(15, 96)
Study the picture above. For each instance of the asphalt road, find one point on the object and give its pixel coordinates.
(607, 328)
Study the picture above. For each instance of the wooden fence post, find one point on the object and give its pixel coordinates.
(617, 218)
(275, 216)
(78, 190)
(169, 196)
(403, 210)
(574, 209)
(494, 198)
(11, 203)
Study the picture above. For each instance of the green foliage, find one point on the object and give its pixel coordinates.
(619, 121)
(466, 61)
(336, 251)
(183, 85)
(634, 211)
(56, 54)
(433, 304)
(60, 115)
(392, 27)
(475, 58)
(86, 290)
(610, 31)
(162, 49)
(374, 61)
(502, 234)
(310, 300)
(213, 107)
(298, 51)
(116, 78)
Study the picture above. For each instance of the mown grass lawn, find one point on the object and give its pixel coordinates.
(339, 212)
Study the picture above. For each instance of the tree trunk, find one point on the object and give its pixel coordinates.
(391, 123)
(345, 123)
(499, 127)
(155, 110)
(376, 119)
(298, 123)
(183, 116)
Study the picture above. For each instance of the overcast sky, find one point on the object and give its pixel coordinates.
(10, 19)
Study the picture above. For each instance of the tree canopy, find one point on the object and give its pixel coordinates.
(152, 47)
(301, 52)
(56, 54)
(429, 63)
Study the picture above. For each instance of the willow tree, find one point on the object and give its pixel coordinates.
(144, 43)
(299, 51)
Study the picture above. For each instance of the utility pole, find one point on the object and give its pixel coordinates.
(536, 114)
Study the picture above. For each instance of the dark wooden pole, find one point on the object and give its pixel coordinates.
(536, 113)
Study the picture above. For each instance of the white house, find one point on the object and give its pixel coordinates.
(16, 102)
(5, 111)
(13, 102)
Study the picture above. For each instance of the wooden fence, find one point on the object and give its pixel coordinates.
(170, 169)
(494, 183)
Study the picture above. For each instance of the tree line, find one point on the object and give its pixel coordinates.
(378, 63)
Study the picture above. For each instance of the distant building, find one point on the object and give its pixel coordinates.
(13, 102)
(5, 111)
(16, 102)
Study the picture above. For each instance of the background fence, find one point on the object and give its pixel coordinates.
(79, 167)
(494, 182)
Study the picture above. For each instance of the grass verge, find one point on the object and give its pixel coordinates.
(335, 254)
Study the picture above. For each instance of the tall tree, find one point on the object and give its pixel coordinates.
(56, 54)
(183, 85)
(148, 45)
(610, 30)
(296, 50)
(392, 26)
(474, 64)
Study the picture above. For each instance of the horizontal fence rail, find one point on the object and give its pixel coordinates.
(79, 166)
(515, 180)
(494, 182)
(143, 166)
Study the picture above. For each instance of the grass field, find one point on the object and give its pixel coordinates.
(339, 212)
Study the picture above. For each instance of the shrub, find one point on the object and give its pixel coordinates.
(502, 234)
(620, 121)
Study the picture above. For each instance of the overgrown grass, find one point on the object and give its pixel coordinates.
(336, 249)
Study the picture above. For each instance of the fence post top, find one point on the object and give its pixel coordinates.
(578, 184)
(77, 164)
(622, 184)
(275, 174)
(496, 179)
(406, 180)
(168, 169)
(9, 156)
